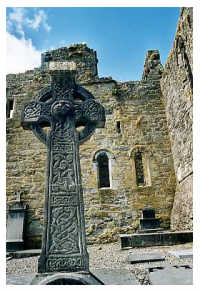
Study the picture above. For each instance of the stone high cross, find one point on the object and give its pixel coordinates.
(64, 106)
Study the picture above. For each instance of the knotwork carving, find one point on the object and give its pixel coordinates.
(63, 173)
(63, 106)
(32, 111)
(64, 232)
(63, 264)
(92, 111)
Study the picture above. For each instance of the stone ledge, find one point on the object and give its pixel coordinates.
(155, 239)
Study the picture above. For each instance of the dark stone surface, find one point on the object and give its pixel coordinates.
(149, 223)
(155, 239)
(64, 106)
(150, 230)
(172, 276)
(15, 226)
(148, 213)
(145, 257)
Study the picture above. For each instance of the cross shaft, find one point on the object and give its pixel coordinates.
(64, 105)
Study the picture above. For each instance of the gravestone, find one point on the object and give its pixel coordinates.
(15, 225)
(182, 253)
(149, 223)
(135, 257)
(172, 276)
(65, 106)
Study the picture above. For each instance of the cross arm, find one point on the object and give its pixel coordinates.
(91, 115)
(35, 113)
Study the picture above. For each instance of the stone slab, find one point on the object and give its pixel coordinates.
(15, 227)
(183, 253)
(134, 258)
(150, 230)
(155, 239)
(23, 253)
(25, 279)
(115, 276)
(172, 276)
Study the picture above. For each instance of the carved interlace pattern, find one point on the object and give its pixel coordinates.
(63, 176)
(64, 246)
(92, 110)
(61, 93)
(32, 110)
(63, 230)
(63, 264)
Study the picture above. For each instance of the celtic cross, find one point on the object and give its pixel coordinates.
(64, 106)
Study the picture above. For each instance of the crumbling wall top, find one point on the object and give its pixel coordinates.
(84, 58)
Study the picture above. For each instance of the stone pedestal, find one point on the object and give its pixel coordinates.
(149, 223)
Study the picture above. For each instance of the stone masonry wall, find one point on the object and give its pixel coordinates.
(177, 90)
(84, 58)
(135, 121)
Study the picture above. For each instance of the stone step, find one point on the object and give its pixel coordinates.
(155, 239)
(150, 230)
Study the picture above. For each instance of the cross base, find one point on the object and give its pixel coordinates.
(75, 278)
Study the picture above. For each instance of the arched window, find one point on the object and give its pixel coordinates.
(103, 170)
(103, 161)
(141, 166)
(139, 171)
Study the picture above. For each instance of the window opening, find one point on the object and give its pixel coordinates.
(103, 170)
(139, 169)
(10, 108)
(118, 127)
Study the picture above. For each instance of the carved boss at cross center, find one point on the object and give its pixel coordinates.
(64, 106)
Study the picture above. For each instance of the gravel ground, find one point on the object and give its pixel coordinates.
(110, 256)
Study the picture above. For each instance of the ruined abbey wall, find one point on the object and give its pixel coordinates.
(150, 119)
(135, 123)
(177, 90)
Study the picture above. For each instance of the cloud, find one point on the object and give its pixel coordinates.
(21, 55)
(18, 20)
(39, 18)
(15, 20)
